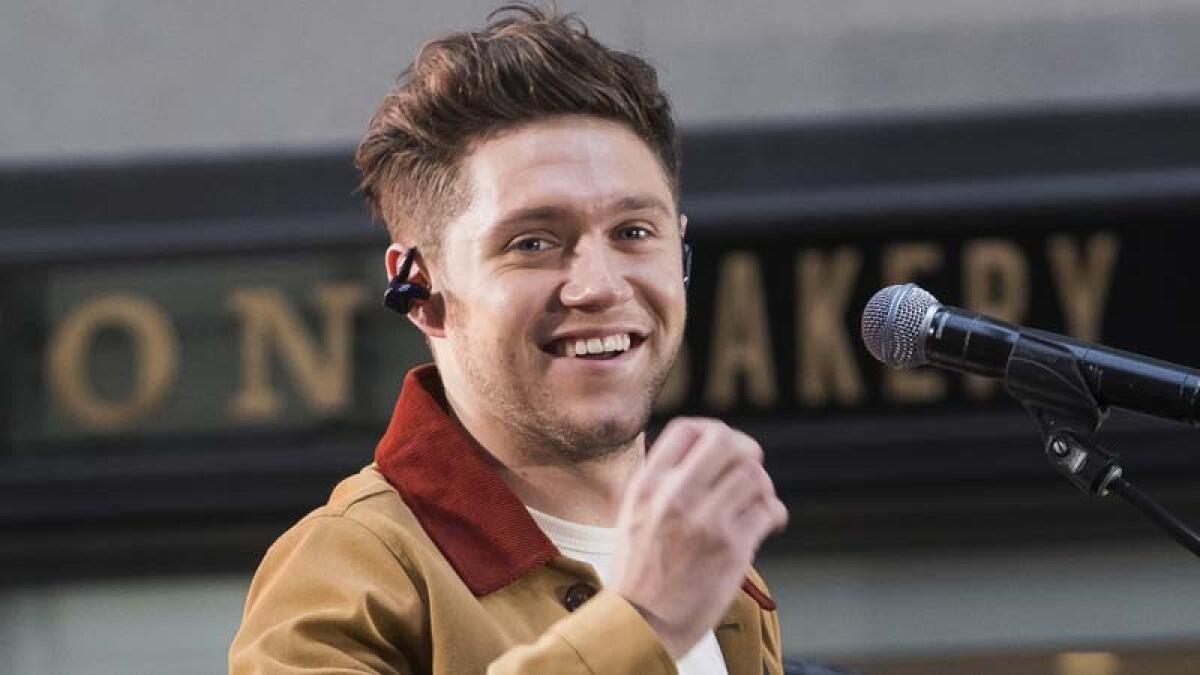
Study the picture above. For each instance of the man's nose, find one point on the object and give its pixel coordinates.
(595, 279)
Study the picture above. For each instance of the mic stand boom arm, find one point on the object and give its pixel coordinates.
(1046, 379)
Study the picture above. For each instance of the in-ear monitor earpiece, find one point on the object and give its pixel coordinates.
(402, 293)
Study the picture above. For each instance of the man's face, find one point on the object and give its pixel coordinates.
(571, 243)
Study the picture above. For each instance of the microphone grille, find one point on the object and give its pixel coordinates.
(893, 322)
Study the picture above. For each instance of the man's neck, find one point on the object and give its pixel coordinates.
(585, 491)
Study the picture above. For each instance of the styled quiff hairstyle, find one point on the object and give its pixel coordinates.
(526, 65)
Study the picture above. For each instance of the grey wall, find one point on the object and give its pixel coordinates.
(98, 78)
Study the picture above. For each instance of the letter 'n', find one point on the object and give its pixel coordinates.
(321, 371)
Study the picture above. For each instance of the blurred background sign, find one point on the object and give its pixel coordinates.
(242, 338)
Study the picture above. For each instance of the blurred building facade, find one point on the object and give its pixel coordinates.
(194, 351)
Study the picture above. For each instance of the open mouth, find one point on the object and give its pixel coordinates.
(594, 348)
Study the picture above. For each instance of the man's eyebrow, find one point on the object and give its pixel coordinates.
(642, 203)
(552, 212)
(533, 214)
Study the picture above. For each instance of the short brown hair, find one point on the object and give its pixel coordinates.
(527, 64)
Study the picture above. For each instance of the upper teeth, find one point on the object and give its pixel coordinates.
(611, 343)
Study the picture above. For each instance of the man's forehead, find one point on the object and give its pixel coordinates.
(576, 161)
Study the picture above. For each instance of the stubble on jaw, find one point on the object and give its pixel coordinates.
(549, 438)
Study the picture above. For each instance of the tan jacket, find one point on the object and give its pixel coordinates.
(425, 562)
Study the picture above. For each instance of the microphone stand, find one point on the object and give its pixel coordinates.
(1046, 379)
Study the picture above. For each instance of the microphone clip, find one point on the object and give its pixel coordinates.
(1048, 381)
(1045, 377)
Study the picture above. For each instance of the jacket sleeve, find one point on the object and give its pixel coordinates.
(329, 597)
(318, 603)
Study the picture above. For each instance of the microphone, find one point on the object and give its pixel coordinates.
(904, 326)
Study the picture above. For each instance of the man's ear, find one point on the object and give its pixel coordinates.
(427, 315)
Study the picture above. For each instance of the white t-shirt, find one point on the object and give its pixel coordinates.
(594, 545)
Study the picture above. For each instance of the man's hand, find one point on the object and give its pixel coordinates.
(690, 523)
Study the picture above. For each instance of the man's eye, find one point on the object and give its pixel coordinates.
(633, 232)
(530, 245)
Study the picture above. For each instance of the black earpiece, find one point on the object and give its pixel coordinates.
(687, 263)
(401, 292)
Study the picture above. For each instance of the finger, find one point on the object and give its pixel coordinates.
(760, 520)
(728, 497)
(778, 513)
(716, 451)
(764, 495)
(757, 491)
(782, 516)
(673, 443)
(771, 498)
(763, 482)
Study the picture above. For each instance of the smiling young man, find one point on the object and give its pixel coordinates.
(514, 520)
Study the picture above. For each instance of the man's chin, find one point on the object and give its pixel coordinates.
(626, 409)
(596, 420)
(589, 437)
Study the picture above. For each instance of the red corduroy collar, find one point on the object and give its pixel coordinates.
(448, 481)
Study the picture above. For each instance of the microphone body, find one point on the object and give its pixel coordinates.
(968, 342)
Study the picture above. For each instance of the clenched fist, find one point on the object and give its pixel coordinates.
(690, 523)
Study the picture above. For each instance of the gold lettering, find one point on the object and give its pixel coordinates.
(322, 376)
(741, 343)
(826, 366)
(901, 264)
(156, 360)
(996, 283)
(1083, 285)
(1087, 663)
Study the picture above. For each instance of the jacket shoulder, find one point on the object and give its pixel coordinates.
(369, 501)
(338, 590)
(368, 485)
